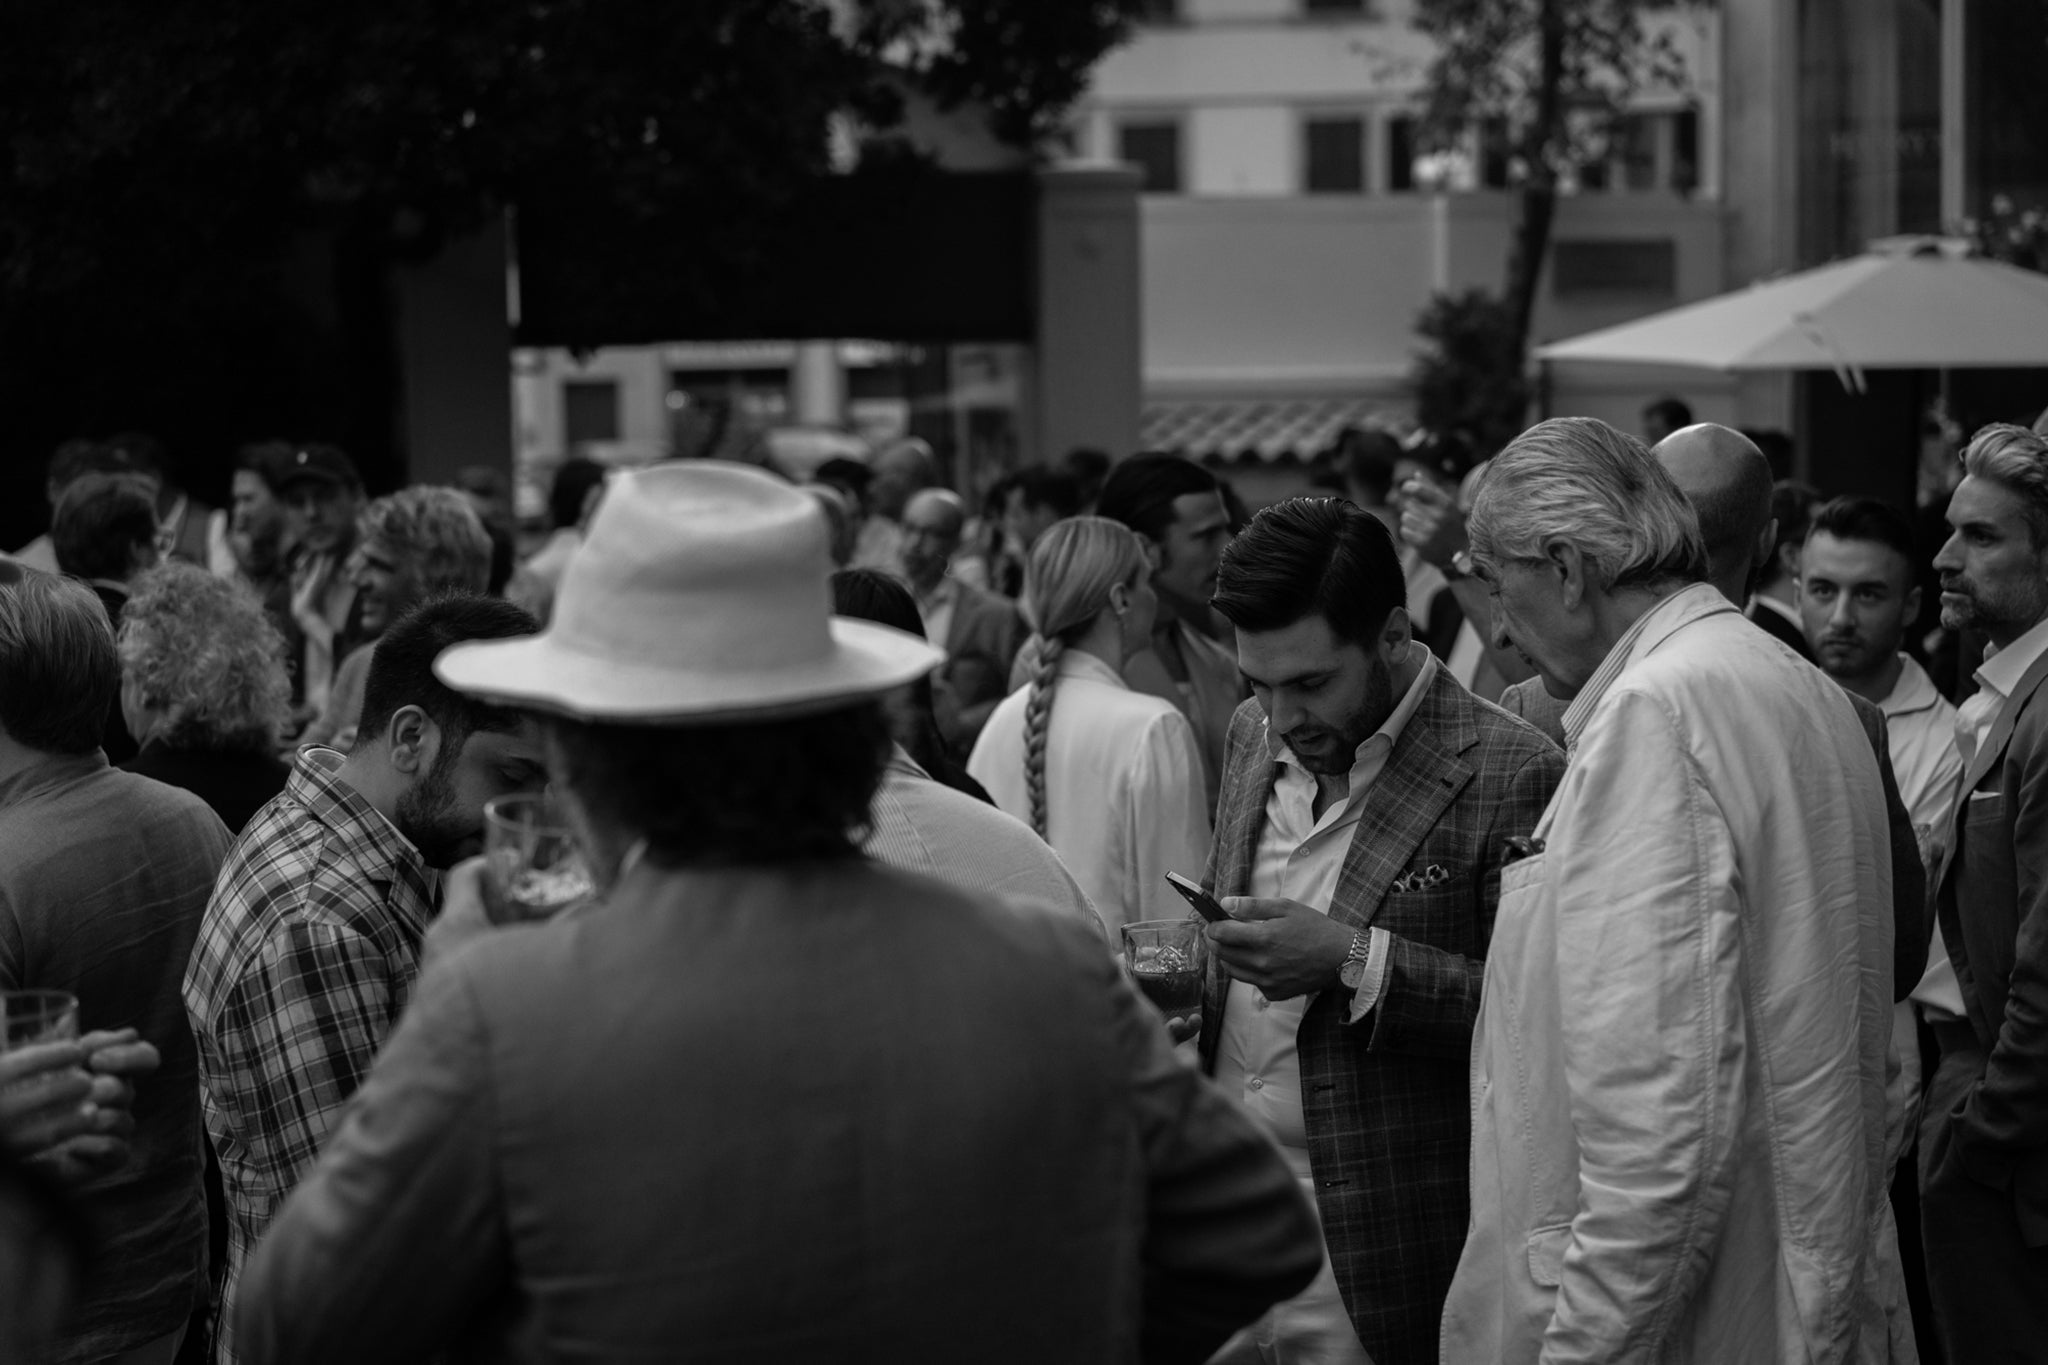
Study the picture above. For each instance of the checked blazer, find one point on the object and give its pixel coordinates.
(1388, 1114)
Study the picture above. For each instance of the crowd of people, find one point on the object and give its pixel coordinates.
(1623, 943)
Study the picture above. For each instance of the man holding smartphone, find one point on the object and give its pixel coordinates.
(1367, 805)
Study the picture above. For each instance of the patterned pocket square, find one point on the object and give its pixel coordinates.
(1429, 876)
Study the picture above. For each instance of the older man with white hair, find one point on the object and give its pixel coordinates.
(1679, 1068)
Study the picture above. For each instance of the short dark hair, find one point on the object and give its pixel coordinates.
(144, 453)
(99, 522)
(1140, 491)
(1369, 458)
(1852, 518)
(265, 459)
(1792, 505)
(571, 489)
(1672, 411)
(1050, 488)
(1312, 556)
(402, 665)
(753, 792)
(871, 595)
(59, 675)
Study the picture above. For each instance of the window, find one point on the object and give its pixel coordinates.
(1334, 155)
(1333, 7)
(590, 411)
(1155, 149)
(1495, 154)
(1400, 154)
(1642, 268)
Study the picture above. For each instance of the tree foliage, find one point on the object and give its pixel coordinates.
(1552, 74)
(156, 134)
(1469, 380)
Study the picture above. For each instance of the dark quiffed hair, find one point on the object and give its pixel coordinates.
(1312, 556)
(100, 522)
(1851, 518)
(77, 458)
(402, 665)
(267, 460)
(1672, 412)
(571, 489)
(771, 791)
(872, 595)
(59, 674)
(1049, 488)
(1140, 491)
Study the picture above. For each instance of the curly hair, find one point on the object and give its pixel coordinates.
(1073, 567)
(199, 650)
(437, 531)
(772, 791)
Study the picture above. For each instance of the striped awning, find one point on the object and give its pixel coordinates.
(1254, 429)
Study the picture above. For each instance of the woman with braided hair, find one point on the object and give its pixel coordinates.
(1109, 777)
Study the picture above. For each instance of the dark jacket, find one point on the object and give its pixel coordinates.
(236, 783)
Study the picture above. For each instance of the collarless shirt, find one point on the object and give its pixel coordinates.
(306, 957)
(1301, 857)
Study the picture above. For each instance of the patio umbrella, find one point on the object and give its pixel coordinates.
(1910, 303)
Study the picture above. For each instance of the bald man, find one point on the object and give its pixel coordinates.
(899, 472)
(979, 631)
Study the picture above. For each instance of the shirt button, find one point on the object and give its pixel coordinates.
(1256, 1084)
(1263, 1002)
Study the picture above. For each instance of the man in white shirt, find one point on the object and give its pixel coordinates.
(1368, 803)
(1984, 1141)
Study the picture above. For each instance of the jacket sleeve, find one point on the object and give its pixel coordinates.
(2002, 1130)
(394, 1241)
(1909, 881)
(1227, 1231)
(1648, 954)
(1430, 999)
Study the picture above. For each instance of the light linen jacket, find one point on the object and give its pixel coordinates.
(1679, 1067)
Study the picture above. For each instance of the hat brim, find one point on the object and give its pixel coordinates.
(535, 672)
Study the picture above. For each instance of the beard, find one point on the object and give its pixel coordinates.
(429, 816)
(1329, 750)
(2005, 609)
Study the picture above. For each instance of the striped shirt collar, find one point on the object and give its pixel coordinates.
(1651, 629)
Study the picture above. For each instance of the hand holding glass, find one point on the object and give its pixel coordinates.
(1165, 959)
(535, 866)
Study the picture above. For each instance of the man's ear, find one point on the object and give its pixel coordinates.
(1569, 565)
(1396, 635)
(1912, 606)
(1763, 556)
(414, 741)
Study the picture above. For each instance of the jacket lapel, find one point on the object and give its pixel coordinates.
(1423, 776)
(1989, 753)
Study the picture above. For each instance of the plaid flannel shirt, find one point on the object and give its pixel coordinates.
(305, 959)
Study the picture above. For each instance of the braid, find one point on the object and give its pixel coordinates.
(1037, 721)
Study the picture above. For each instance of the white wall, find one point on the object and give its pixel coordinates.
(1240, 149)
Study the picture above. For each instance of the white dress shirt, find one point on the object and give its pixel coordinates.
(1124, 793)
(935, 608)
(1301, 858)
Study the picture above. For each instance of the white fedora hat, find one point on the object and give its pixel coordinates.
(701, 592)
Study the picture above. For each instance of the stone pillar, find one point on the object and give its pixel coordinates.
(1087, 377)
(817, 385)
(455, 360)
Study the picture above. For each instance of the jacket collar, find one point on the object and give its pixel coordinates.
(1651, 629)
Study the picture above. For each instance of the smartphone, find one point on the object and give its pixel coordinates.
(1205, 904)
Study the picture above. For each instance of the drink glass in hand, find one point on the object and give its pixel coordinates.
(1164, 956)
(38, 1017)
(532, 858)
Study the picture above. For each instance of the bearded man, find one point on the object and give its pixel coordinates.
(310, 945)
(1368, 804)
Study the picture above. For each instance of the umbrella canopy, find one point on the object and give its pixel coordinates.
(1910, 303)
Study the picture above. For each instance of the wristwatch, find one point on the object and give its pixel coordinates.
(1460, 566)
(1352, 973)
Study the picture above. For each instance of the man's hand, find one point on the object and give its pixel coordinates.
(1431, 522)
(45, 1097)
(1283, 947)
